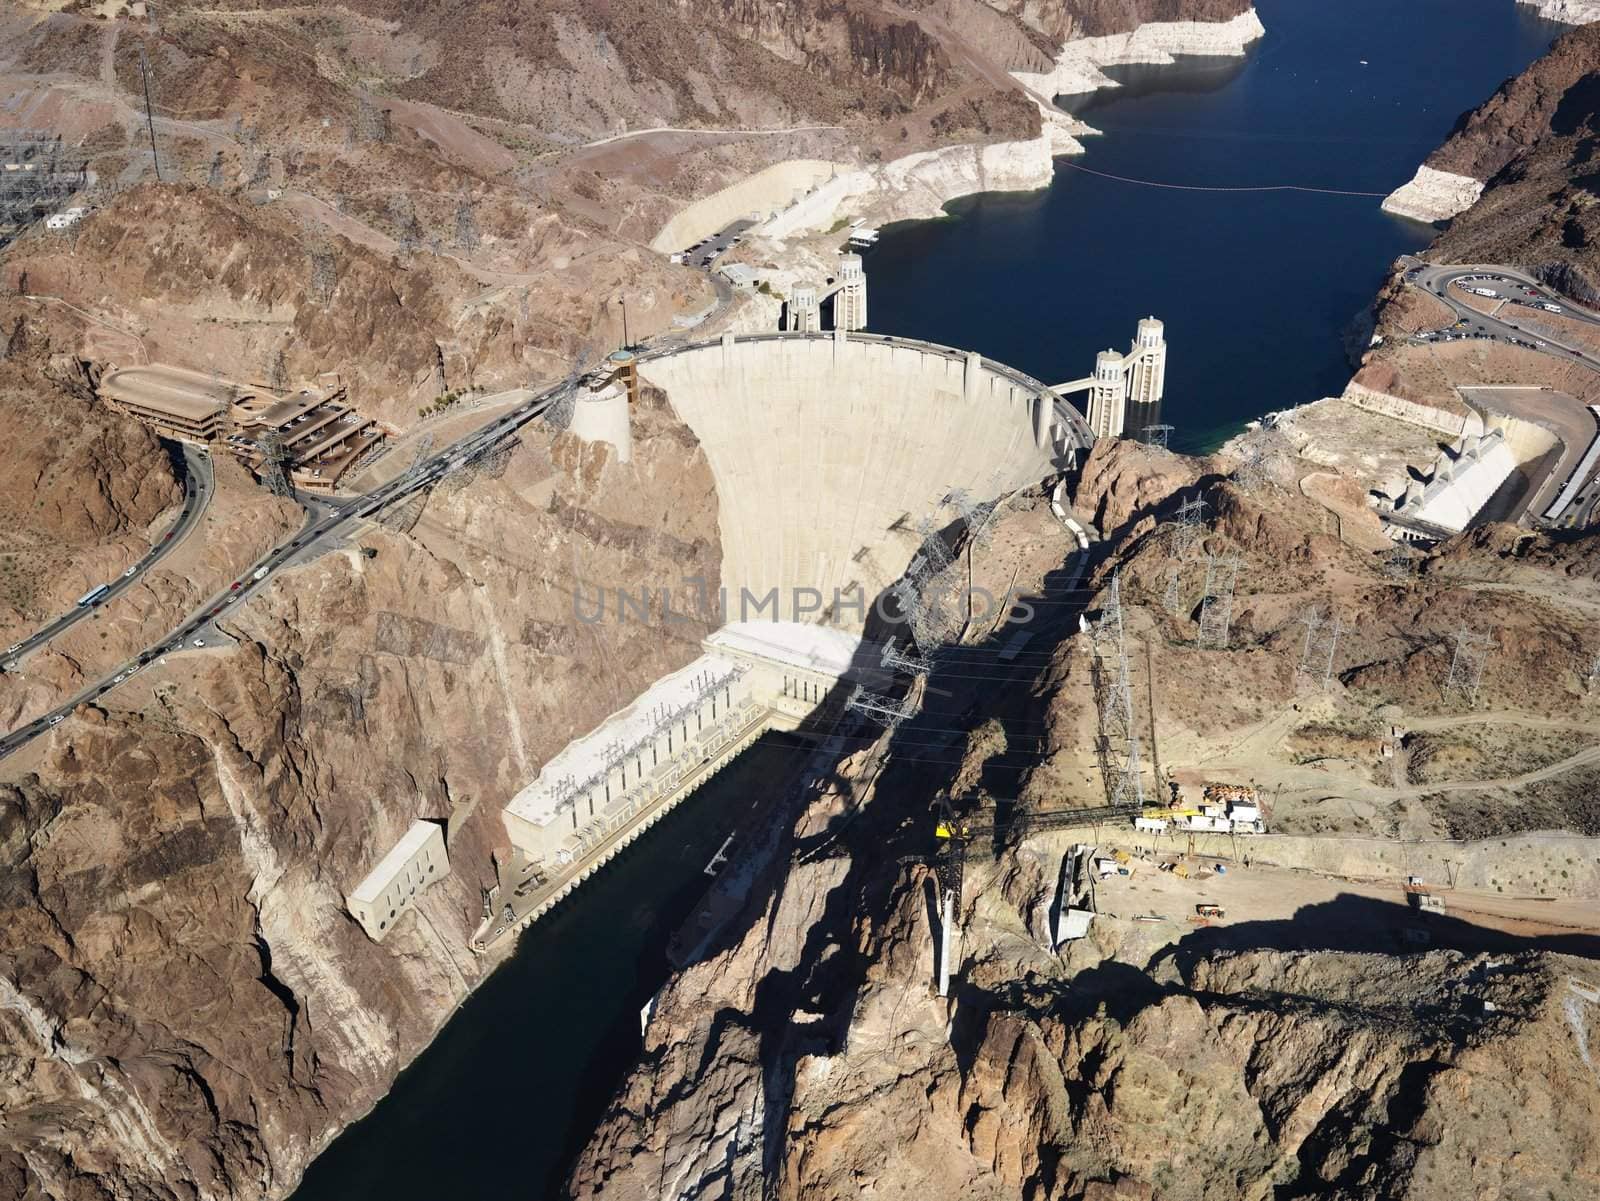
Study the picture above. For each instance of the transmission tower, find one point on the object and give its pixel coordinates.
(976, 516)
(886, 712)
(933, 548)
(1400, 565)
(1466, 664)
(1321, 644)
(912, 662)
(1119, 743)
(273, 459)
(490, 461)
(324, 275)
(149, 118)
(466, 226)
(1216, 610)
(404, 517)
(1251, 473)
(1155, 435)
(261, 173)
(1191, 525)
(372, 122)
(278, 374)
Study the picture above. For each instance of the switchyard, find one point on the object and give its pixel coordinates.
(37, 177)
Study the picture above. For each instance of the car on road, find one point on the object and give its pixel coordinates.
(56, 720)
(13, 648)
(261, 574)
(234, 587)
(121, 676)
(215, 611)
(230, 600)
(198, 642)
(130, 571)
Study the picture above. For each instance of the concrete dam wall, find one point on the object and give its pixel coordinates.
(828, 452)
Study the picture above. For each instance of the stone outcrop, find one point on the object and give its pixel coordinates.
(1432, 195)
(82, 484)
(805, 1055)
(810, 1059)
(1077, 64)
(1521, 151)
(1569, 12)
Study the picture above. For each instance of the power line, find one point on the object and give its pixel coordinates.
(1216, 610)
(149, 120)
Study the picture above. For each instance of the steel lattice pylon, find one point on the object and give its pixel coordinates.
(1119, 742)
(1321, 644)
(1466, 664)
(1216, 611)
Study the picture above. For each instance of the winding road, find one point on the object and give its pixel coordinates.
(326, 527)
(198, 487)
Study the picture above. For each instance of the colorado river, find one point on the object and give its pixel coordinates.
(496, 1106)
(1257, 289)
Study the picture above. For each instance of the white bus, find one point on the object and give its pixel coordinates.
(93, 595)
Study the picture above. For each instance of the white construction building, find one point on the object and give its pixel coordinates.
(391, 888)
(605, 789)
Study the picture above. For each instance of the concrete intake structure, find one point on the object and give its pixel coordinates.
(850, 297)
(805, 311)
(849, 293)
(1137, 379)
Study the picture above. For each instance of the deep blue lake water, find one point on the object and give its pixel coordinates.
(1256, 289)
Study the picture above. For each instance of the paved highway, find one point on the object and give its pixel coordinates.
(325, 527)
(1515, 299)
(198, 487)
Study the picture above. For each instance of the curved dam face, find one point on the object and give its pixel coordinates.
(828, 452)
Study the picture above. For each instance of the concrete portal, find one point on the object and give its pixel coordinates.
(829, 451)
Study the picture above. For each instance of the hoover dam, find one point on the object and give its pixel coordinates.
(838, 460)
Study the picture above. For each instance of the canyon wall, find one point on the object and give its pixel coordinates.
(1523, 131)
(805, 1054)
(187, 1007)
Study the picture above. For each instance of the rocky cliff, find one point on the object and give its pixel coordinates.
(1296, 1049)
(1524, 150)
(82, 484)
(188, 1010)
